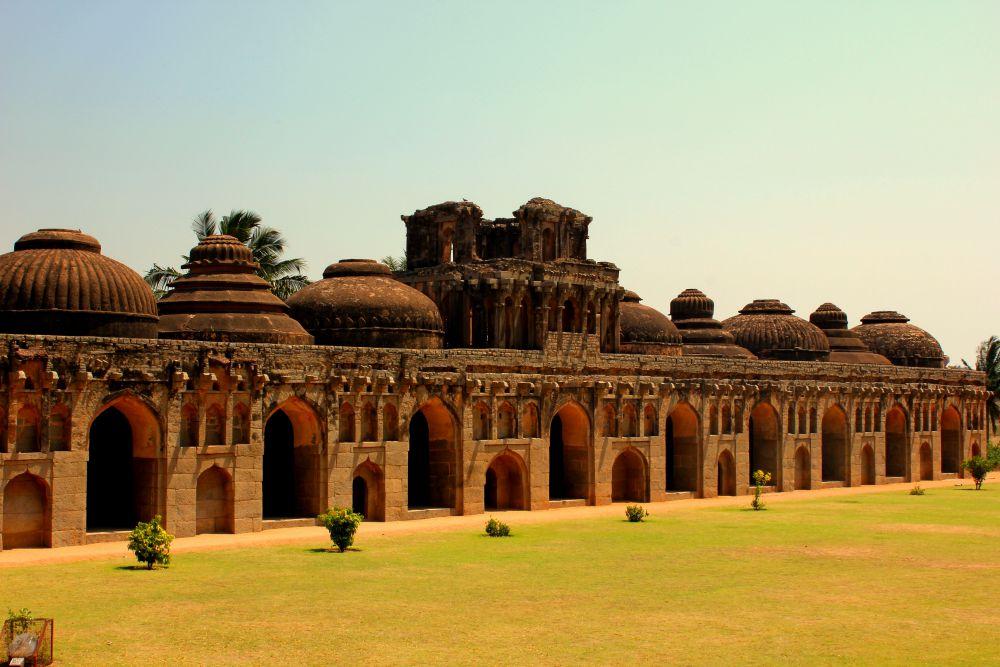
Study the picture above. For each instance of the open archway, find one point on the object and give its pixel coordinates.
(867, 465)
(895, 442)
(803, 469)
(504, 487)
(432, 461)
(122, 465)
(629, 481)
(926, 462)
(27, 514)
(368, 491)
(726, 474)
(951, 440)
(569, 453)
(681, 444)
(834, 453)
(214, 502)
(764, 440)
(291, 475)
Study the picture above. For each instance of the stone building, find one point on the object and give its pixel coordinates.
(502, 370)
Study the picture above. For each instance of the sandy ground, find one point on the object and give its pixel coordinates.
(317, 534)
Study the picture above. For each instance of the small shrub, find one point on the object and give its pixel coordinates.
(342, 523)
(150, 543)
(496, 528)
(978, 467)
(760, 480)
(19, 621)
(635, 513)
(916, 491)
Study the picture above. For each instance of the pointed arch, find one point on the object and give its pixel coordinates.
(345, 423)
(369, 422)
(629, 477)
(713, 418)
(390, 422)
(896, 442)
(765, 442)
(292, 474)
(926, 462)
(189, 425)
(506, 421)
(834, 445)
(27, 513)
(29, 429)
(727, 418)
(480, 421)
(60, 428)
(610, 420)
(629, 421)
(803, 469)
(433, 459)
(241, 423)
(368, 491)
(569, 453)
(867, 465)
(215, 425)
(529, 420)
(682, 442)
(649, 420)
(951, 440)
(505, 485)
(214, 502)
(726, 474)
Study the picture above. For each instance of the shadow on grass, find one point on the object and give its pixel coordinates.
(331, 550)
(139, 568)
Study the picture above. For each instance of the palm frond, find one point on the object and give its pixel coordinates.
(204, 224)
(159, 278)
(241, 224)
(286, 286)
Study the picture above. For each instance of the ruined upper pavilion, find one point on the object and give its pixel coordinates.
(502, 369)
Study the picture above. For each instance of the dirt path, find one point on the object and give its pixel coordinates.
(316, 534)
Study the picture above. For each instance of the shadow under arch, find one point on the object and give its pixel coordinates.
(27, 512)
(682, 443)
(433, 479)
(569, 453)
(214, 502)
(368, 491)
(505, 486)
(292, 466)
(630, 477)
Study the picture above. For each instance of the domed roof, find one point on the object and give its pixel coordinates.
(768, 328)
(222, 298)
(891, 335)
(846, 347)
(645, 330)
(693, 314)
(57, 282)
(358, 302)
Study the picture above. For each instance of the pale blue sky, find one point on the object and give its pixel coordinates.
(834, 151)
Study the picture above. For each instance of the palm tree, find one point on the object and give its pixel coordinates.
(988, 361)
(395, 263)
(266, 244)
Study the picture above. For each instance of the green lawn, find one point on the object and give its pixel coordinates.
(878, 578)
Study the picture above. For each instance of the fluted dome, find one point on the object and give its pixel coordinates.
(358, 302)
(890, 334)
(693, 314)
(57, 282)
(768, 328)
(846, 347)
(221, 298)
(645, 330)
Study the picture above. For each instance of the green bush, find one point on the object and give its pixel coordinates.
(496, 528)
(19, 621)
(916, 491)
(978, 467)
(342, 523)
(635, 513)
(760, 480)
(150, 543)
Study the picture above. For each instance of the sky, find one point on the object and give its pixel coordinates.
(806, 151)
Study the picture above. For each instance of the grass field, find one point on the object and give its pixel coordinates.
(878, 578)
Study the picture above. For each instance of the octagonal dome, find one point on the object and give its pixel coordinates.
(768, 328)
(57, 282)
(645, 330)
(359, 303)
(693, 314)
(890, 334)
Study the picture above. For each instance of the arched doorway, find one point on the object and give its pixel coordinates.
(628, 477)
(975, 449)
(27, 519)
(803, 469)
(432, 461)
(504, 487)
(569, 448)
(368, 491)
(122, 466)
(682, 449)
(834, 452)
(214, 502)
(895, 442)
(292, 471)
(926, 462)
(764, 439)
(951, 440)
(867, 465)
(726, 474)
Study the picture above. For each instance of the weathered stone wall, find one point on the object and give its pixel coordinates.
(350, 411)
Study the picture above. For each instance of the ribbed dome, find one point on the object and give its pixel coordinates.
(846, 347)
(358, 302)
(57, 282)
(693, 314)
(891, 335)
(768, 328)
(221, 298)
(645, 330)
